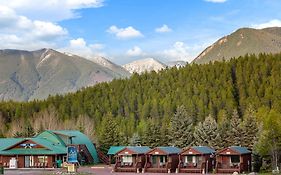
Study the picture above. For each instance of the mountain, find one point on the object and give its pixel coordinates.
(27, 75)
(143, 65)
(112, 66)
(241, 42)
(178, 64)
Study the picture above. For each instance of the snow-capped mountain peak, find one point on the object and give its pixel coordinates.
(143, 65)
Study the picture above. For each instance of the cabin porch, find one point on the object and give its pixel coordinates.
(191, 164)
(228, 164)
(129, 163)
(159, 163)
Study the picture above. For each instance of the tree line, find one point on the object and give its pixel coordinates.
(237, 102)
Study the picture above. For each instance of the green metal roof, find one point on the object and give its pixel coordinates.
(78, 138)
(170, 149)
(204, 149)
(50, 136)
(50, 147)
(8, 142)
(241, 150)
(114, 149)
(139, 149)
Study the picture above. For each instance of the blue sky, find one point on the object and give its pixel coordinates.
(126, 30)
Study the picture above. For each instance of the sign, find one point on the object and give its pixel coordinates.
(72, 154)
(28, 145)
(71, 168)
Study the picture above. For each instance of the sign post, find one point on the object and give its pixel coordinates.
(72, 158)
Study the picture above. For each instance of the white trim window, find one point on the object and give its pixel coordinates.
(127, 159)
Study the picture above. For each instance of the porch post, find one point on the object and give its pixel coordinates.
(18, 161)
(241, 160)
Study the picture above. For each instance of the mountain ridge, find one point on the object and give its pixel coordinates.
(241, 42)
(28, 75)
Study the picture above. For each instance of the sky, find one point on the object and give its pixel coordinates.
(127, 30)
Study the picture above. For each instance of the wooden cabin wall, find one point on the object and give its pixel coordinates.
(174, 160)
(244, 165)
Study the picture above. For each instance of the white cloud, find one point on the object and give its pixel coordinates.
(163, 29)
(271, 23)
(20, 32)
(216, 1)
(124, 33)
(179, 51)
(31, 25)
(135, 51)
(51, 10)
(80, 47)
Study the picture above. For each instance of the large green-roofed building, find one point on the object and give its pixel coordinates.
(46, 149)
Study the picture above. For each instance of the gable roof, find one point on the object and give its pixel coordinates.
(241, 150)
(8, 142)
(49, 147)
(170, 149)
(137, 149)
(204, 149)
(115, 149)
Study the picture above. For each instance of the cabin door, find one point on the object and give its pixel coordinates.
(28, 161)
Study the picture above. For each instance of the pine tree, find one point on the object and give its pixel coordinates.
(224, 129)
(181, 132)
(235, 130)
(135, 140)
(152, 135)
(249, 129)
(109, 134)
(207, 133)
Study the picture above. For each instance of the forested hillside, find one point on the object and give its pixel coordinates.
(228, 103)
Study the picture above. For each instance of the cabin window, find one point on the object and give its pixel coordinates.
(42, 159)
(162, 159)
(234, 159)
(191, 159)
(127, 159)
(188, 159)
(154, 159)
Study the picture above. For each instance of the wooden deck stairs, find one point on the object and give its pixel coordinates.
(103, 158)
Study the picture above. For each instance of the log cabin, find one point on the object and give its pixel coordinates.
(112, 152)
(233, 159)
(196, 159)
(131, 159)
(162, 160)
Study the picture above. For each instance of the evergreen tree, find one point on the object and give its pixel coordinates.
(224, 129)
(235, 130)
(135, 140)
(249, 129)
(109, 135)
(181, 132)
(27, 131)
(152, 135)
(207, 133)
